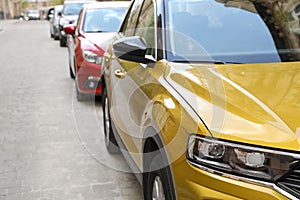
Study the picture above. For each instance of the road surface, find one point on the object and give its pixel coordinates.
(51, 146)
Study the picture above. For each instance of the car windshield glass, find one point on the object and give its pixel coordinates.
(57, 10)
(72, 8)
(103, 19)
(237, 31)
(33, 12)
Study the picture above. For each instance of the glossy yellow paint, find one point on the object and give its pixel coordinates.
(256, 104)
(193, 183)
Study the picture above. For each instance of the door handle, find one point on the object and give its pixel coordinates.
(119, 73)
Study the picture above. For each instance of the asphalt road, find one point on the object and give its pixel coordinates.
(51, 146)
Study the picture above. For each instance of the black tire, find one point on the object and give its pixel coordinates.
(110, 140)
(62, 43)
(55, 37)
(72, 75)
(157, 182)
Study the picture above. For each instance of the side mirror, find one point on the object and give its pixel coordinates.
(132, 49)
(59, 14)
(70, 29)
(50, 16)
(50, 13)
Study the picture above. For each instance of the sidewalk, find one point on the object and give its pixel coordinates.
(4, 23)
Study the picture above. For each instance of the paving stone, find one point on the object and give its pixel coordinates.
(51, 146)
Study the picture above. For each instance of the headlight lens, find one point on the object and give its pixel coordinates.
(63, 21)
(239, 159)
(92, 57)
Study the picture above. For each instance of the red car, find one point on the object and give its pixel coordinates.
(86, 41)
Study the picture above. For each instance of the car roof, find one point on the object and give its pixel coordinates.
(107, 4)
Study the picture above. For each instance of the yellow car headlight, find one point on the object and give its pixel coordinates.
(240, 160)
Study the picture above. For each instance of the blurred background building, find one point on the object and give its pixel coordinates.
(12, 9)
(15, 9)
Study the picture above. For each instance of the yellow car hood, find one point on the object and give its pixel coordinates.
(250, 103)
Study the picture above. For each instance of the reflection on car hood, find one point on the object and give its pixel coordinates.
(99, 39)
(255, 103)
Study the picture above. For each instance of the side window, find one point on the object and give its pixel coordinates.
(128, 28)
(146, 26)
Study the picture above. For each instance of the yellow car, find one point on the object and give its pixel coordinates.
(202, 97)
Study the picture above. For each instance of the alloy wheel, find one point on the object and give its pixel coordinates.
(157, 190)
(106, 121)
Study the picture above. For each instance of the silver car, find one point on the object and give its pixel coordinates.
(54, 22)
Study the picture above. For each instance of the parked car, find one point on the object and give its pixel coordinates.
(97, 23)
(69, 15)
(32, 15)
(54, 21)
(202, 98)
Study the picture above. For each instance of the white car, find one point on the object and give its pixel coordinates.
(54, 22)
(33, 15)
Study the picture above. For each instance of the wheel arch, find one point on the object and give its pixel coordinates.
(153, 143)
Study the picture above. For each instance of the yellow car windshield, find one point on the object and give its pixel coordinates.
(234, 32)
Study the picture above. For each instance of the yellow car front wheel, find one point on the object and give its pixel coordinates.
(157, 178)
